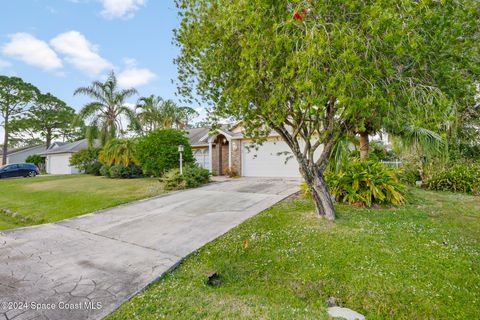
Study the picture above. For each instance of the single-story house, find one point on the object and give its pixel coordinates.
(219, 151)
(57, 158)
(19, 155)
(227, 148)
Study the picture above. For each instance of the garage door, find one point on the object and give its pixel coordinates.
(272, 159)
(60, 164)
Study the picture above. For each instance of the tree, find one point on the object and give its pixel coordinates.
(106, 111)
(15, 95)
(155, 112)
(48, 117)
(314, 71)
(149, 110)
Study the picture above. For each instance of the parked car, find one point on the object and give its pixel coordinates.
(19, 170)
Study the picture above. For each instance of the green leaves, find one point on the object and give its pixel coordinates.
(106, 110)
(48, 116)
(157, 152)
(346, 67)
(459, 177)
(118, 152)
(15, 95)
(365, 183)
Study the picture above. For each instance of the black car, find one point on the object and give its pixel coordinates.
(19, 170)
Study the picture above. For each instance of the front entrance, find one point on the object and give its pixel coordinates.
(220, 155)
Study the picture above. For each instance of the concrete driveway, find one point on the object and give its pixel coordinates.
(85, 267)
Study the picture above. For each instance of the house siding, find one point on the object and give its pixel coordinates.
(21, 156)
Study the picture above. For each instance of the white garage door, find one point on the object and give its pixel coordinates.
(60, 164)
(269, 160)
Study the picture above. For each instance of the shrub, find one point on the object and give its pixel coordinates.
(118, 152)
(122, 172)
(94, 169)
(409, 174)
(460, 177)
(231, 172)
(157, 152)
(195, 176)
(36, 159)
(105, 171)
(366, 183)
(84, 158)
(192, 177)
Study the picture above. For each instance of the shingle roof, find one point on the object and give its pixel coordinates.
(195, 135)
(71, 147)
(12, 151)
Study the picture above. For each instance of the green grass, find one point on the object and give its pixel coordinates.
(48, 199)
(416, 262)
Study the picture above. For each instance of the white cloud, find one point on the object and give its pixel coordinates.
(4, 64)
(121, 8)
(35, 52)
(80, 52)
(132, 76)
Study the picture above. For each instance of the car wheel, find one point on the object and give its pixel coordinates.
(32, 174)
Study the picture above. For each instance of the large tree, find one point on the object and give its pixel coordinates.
(313, 71)
(15, 95)
(48, 117)
(106, 112)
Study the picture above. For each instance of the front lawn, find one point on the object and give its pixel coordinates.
(416, 262)
(48, 199)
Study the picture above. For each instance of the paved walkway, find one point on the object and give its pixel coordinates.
(85, 267)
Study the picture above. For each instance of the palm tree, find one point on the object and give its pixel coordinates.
(107, 110)
(149, 112)
(155, 112)
(118, 152)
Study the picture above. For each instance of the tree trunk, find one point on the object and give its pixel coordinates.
(48, 138)
(364, 146)
(5, 141)
(320, 194)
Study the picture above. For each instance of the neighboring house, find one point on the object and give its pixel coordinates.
(57, 158)
(227, 148)
(19, 155)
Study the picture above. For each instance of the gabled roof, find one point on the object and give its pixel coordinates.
(198, 137)
(71, 147)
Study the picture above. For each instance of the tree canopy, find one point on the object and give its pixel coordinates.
(156, 113)
(314, 71)
(105, 112)
(15, 95)
(48, 117)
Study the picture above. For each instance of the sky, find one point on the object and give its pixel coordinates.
(60, 45)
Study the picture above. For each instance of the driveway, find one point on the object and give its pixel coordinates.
(86, 267)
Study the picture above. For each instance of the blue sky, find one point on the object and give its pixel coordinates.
(59, 45)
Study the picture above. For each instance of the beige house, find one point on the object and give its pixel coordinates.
(227, 149)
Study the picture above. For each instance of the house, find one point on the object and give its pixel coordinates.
(19, 155)
(220, 151)
(57, 158)
(227, 149)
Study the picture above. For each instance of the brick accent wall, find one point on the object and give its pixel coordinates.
(215, 162)
(237, 156)
(224, 158)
